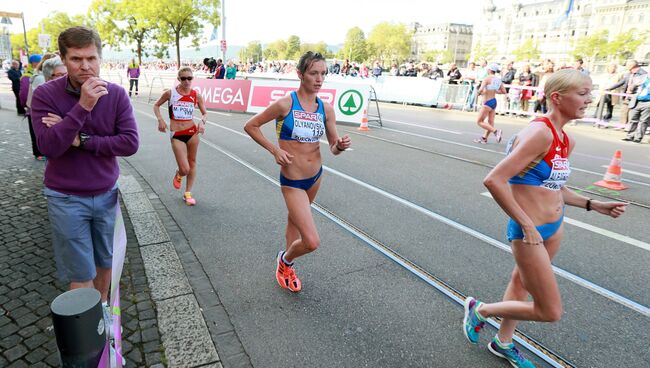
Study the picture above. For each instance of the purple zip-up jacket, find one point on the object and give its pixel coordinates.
(133, 72)
(93, 168)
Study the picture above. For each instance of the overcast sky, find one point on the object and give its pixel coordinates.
(312, 21)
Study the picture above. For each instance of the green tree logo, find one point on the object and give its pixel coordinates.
(350, 102)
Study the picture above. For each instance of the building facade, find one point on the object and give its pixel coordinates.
(553, 29)
(452, 39)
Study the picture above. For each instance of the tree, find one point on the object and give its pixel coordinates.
(251, 52)
(292, 51)
(178, 19)
(316, 47)
(590, 47)
(481, 52)
(123, 22)
(275, 50)
(355, 47)
(441, 56)
(527, 51)
(53, 25)
(389, 42)
(625, 44)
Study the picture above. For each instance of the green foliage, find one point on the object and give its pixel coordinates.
(441, 56)
(483, 52)
(120, 22)
(389, 43)
(177, 19)
(625, 44)
(292, 51)
(275, 50)
(527, 51)
(252, 52)
(316, 47)
(53, 25)
(590, 47)
(355, 47)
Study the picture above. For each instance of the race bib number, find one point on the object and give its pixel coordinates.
(308, 127)
(183, 110)
(560, 171)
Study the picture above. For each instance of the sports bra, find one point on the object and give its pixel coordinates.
(494, 85)
(550, 171)
(300, 125)
(181, 107)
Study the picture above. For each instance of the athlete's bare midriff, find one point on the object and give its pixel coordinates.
(542, 205)
(306, 160)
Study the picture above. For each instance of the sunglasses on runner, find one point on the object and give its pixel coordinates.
(185, 78)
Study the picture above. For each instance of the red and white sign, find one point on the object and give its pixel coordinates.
(223, 45)
(263, 96)
(224, 94)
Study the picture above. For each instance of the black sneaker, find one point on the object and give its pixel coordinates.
(627, 139)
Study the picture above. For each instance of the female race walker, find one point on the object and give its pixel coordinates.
(301, 118)
(490, 86)
(181, 101)
(537, 167)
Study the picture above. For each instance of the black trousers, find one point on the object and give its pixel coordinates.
(19, 108)
(35, 150)
(131, 83)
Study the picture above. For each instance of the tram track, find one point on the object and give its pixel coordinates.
(533, 346)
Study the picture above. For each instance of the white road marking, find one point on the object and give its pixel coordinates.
(599, 230)
(423, 126)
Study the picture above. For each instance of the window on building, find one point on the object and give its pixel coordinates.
(537, 12)
(550, 11)
(573, 32)
(524, 14)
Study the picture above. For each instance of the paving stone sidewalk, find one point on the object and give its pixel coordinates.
(28, 281)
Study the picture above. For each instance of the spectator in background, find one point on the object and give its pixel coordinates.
(639, 113)
(220, 71)
(36, 80)
(394, 71)
(335, 68)
(14, 75)
(345, 68)
(376, 70)
(133, 72)
(454, 74)
(606, 100)
(54, 69)
(363, 71)
(526, 79)
(630, 82)
(410, 70)
(507, 76)
(547, 70)
(514, 97)
(437, 72)
(579, 65)
(26, 79)
(231, 71)
(470, 78)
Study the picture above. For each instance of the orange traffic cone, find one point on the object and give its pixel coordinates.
(364, 122)
(612, 179)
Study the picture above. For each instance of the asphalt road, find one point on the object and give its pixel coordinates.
(414, 186)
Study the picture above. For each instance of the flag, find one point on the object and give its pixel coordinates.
(566, 13)
(214, 34)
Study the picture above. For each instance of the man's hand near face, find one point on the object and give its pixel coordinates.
(91, 91)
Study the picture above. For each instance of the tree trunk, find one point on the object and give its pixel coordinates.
(178, 51)
(139, 51)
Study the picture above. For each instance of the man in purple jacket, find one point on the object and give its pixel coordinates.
(133, 72)
(82, 123)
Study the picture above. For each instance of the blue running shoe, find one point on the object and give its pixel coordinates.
(472, 323)
(510, 353)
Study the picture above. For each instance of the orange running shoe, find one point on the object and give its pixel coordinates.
(187, 197)
(286, 276)
(177, 181)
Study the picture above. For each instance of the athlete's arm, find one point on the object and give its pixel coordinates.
(570, 197)
(337, 144)
(204, 113)
(162, 125)
(481, 88)
(534, 141)
(277, 110)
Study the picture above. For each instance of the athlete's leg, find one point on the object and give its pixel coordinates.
(301, 220)
(517, 291)
(487, 113)
(192, 149)
(536, 276)
(180, 153)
